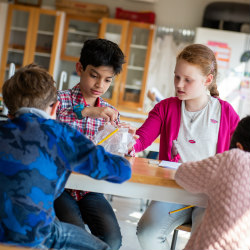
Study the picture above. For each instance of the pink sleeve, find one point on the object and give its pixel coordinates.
(150, 129)
(196, 177)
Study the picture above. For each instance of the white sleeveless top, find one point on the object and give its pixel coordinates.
(198, 134)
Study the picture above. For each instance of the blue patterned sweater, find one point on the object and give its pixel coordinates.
(37, 156)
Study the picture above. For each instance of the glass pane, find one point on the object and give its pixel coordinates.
(44, 40)
(72, 77)
(113, 33)
(42, 59)
(136, 63)
(140, 36)
(78, 33)
(18, 31)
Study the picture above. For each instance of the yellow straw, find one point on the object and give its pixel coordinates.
(104, 139)
(180, 209)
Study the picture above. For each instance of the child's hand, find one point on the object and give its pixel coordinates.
(131, 129)
(109, 114)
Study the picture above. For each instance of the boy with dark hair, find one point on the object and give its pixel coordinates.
(83, 108)
(37, 155)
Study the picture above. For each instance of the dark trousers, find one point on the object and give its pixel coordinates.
(93, 210)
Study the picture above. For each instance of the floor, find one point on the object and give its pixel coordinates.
(128, 213)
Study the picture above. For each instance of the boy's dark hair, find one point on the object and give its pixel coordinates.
(31, 86)
(242, 134)
(102, 52)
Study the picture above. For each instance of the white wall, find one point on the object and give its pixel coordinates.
(173, 13)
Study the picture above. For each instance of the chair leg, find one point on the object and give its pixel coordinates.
(174, 240)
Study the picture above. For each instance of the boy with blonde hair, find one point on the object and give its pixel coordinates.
(37, 155)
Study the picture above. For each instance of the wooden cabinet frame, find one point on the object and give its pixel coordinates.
(120, 82)
(66, 31)
(31, 36)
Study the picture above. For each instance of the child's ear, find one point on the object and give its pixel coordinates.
(79, 68)
(209, 80)
(239, 145)
(53, 109)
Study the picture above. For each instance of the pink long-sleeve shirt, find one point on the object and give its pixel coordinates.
(164, 120)
(225, 179)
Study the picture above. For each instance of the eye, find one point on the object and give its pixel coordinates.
(188, 80)
(108, 80)
(93, 76)
(176, 77)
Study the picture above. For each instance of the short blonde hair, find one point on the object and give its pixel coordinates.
(31, 86)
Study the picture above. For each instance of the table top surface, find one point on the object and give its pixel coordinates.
(147, 173)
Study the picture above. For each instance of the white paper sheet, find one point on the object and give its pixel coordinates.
(169, 164)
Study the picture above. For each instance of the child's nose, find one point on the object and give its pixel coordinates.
(179, 83)
(99, 83)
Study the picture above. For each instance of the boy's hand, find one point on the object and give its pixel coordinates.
(109, 114)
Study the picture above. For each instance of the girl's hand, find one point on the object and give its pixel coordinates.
(131, 130)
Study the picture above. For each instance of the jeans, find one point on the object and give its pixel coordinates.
(66, 236)
(93, 210)
(156, 223)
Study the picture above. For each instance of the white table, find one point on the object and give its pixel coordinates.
(148, 181)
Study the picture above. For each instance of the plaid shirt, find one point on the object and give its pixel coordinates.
(87, 126)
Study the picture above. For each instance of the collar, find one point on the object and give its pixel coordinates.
(79, 99)
(35, 111)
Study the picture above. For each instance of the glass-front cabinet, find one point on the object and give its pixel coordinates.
(116, 31)
(31, 35)
(77, 30)
(135, 39)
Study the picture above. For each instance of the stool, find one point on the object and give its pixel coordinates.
(184, 227)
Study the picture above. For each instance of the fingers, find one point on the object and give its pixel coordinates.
(109, 114)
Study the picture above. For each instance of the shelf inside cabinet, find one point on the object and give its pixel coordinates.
(133, 87)
(44, 54)
(14, 28)
(137, 46)
(135, 67)
(16, 50)
(44, 32)
(74, 44)
(80, 32)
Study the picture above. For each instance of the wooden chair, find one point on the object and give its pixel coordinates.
(184, 227)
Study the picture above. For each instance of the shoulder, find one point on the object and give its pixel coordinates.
(172, 104)
(228, 112)
(237, 162)
(63, 94)
(61, 128)
(226, 105)
(171, 101)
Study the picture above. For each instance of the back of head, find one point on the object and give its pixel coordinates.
(31, 86)
(242, 134)
(102, 52)
(204, 58)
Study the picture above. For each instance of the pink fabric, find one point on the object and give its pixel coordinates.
(225, 179)
(164, 119)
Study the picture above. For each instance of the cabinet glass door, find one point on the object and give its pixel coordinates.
(15, 39)
(114, 30)
(78, 29)
(138, 53)
(44, 40)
